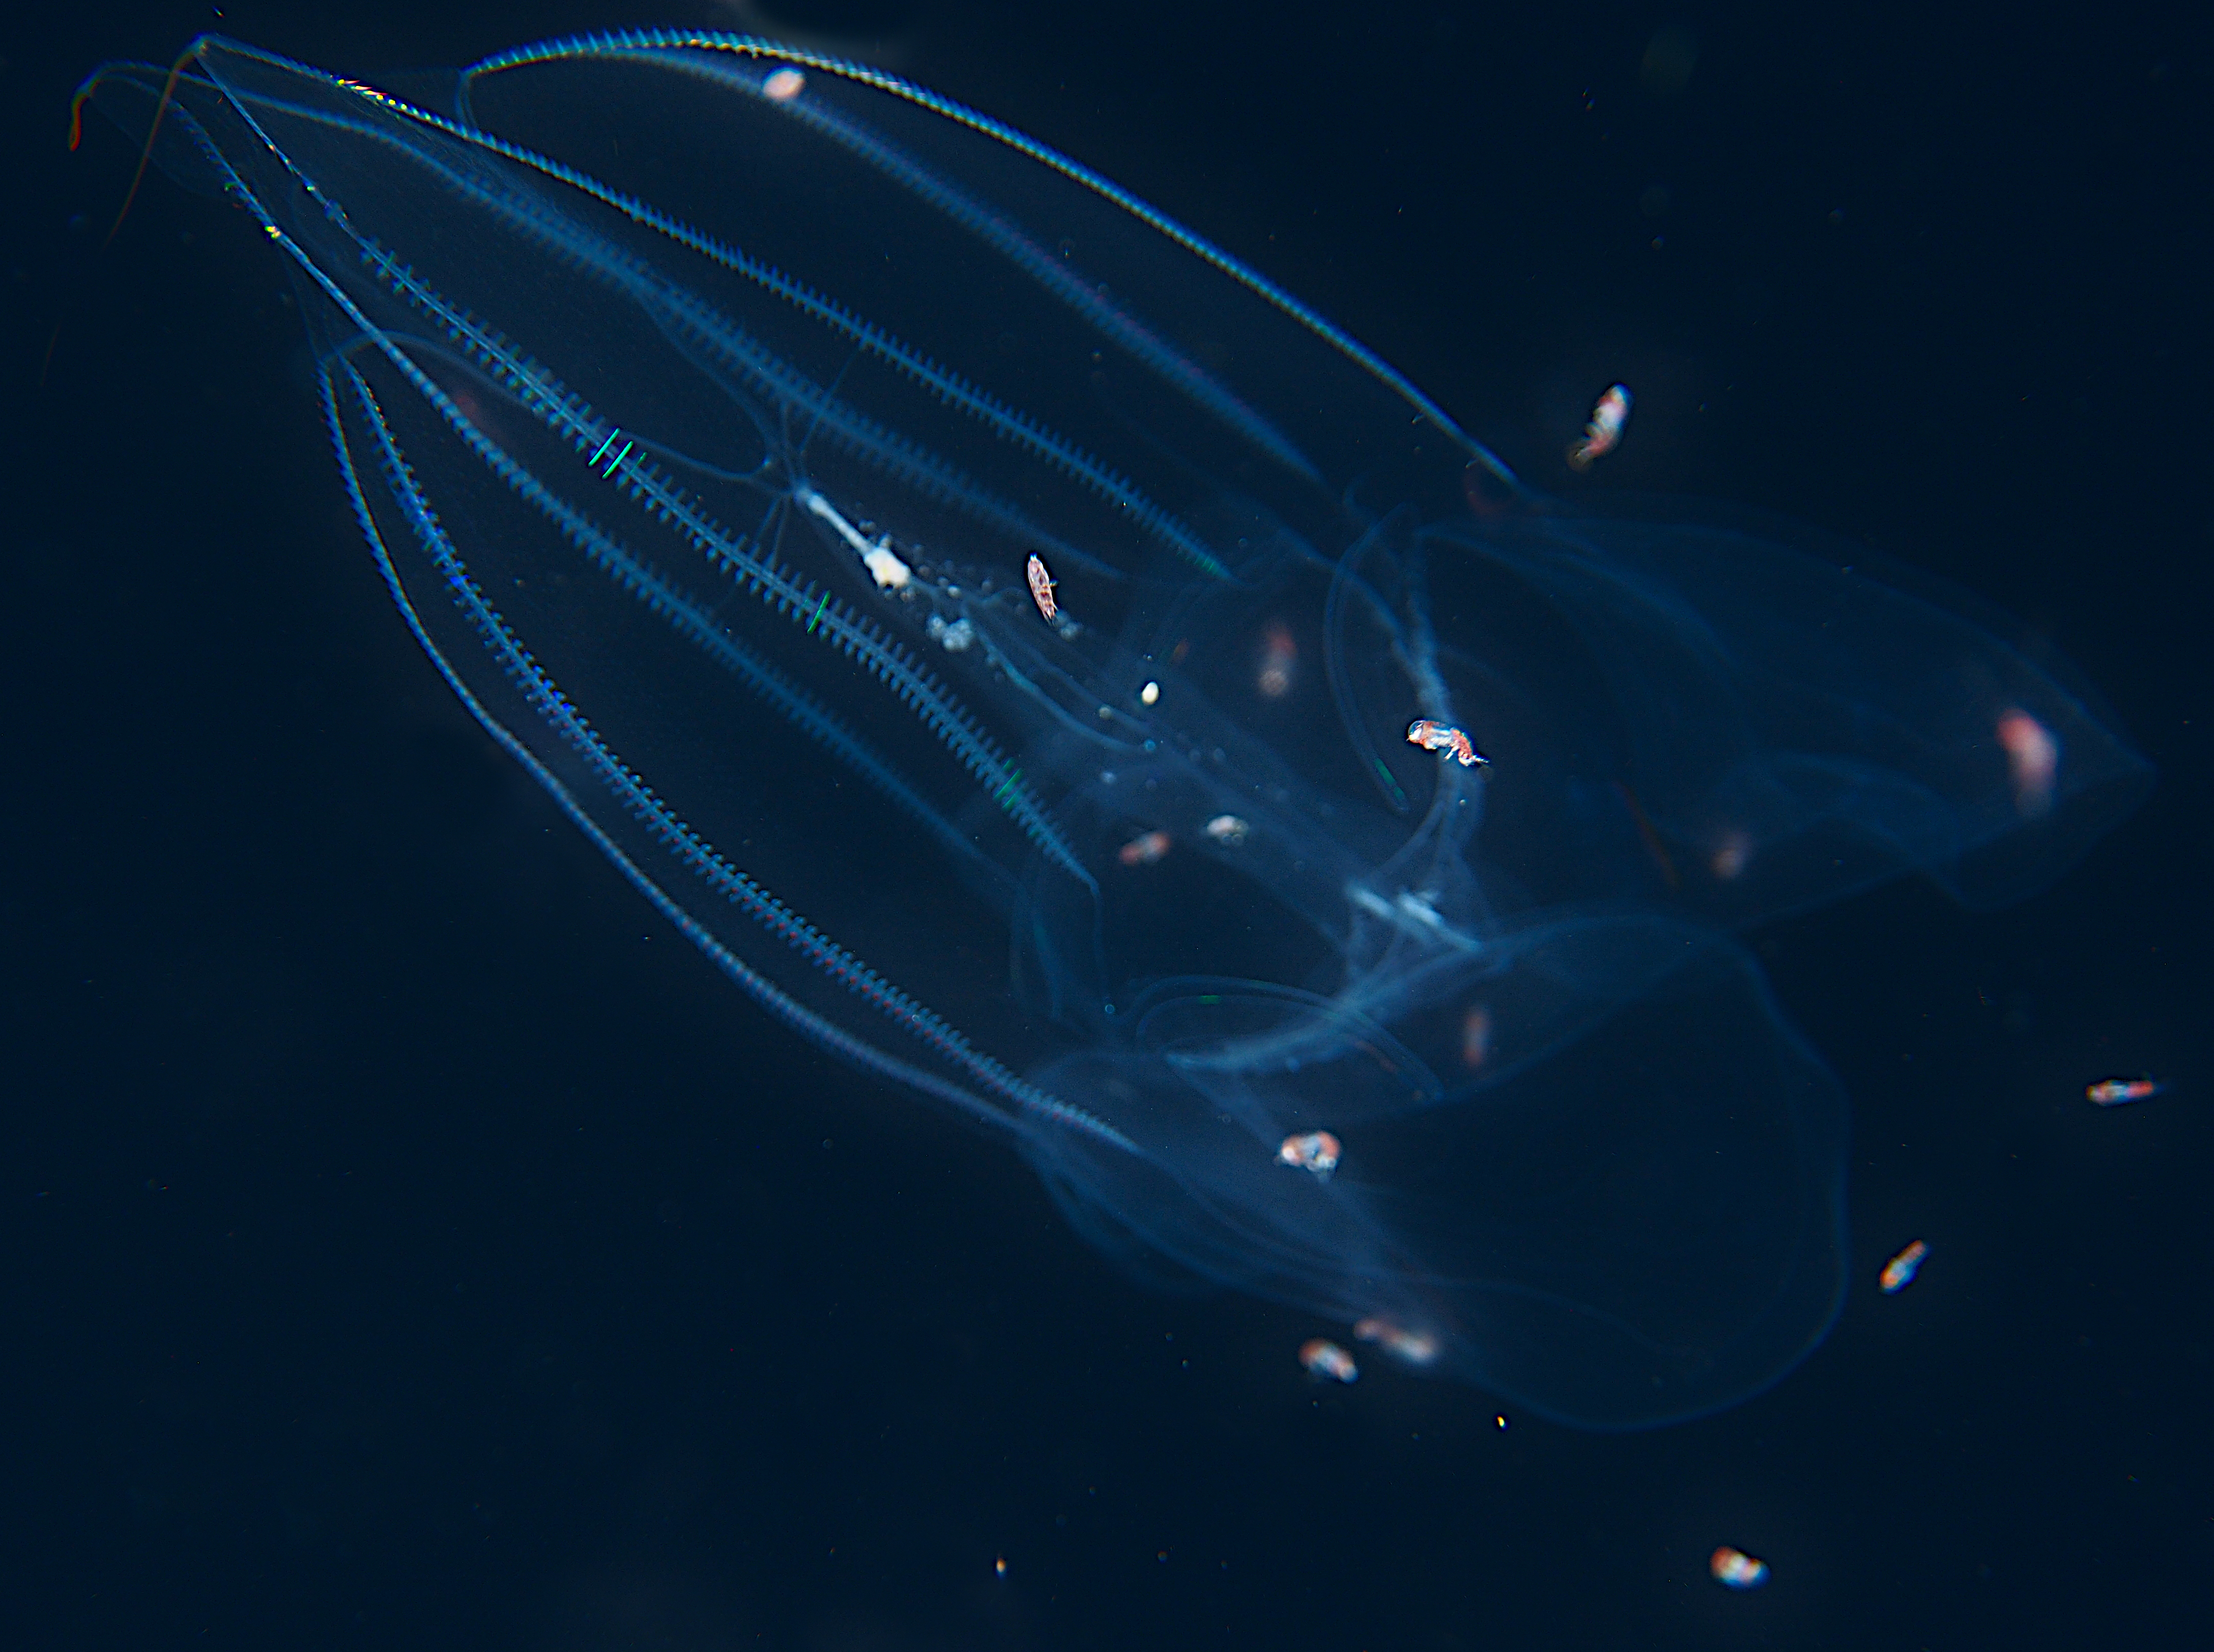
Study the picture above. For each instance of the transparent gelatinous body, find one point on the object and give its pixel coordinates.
(704, 405)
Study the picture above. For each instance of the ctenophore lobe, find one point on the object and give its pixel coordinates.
(989, 621)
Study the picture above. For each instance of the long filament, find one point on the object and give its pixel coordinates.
(145, 155)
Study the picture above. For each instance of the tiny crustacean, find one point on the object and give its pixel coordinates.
(1041, 586)
(1317, 1152)
(1602, 434)
(1441, 737)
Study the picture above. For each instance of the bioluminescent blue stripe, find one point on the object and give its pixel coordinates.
(840, 626)
(731, 344)
(637, 799)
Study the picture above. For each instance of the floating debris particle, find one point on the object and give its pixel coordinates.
(1730, 856)
(1229, 830)
(954, 637)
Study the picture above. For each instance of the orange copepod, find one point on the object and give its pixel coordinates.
(1604, 433)
(1476, 1036)
(1415, 1347)
(2032, 759)
(1324, 1358)
(1899, 1273)
(1145, 848)
(2114, 1092)
(1734, 1569)
(1041, 586)
(1316, 1151)
(1280, 661)
(1439, 736)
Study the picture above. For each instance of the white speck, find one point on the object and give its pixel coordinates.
(952, 637)
(886, 568)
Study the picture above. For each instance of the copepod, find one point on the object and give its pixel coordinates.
(1734, 1569)
(1323, 1358)
(1604, 433)
(1318, 1151)
(1899, 1273)
(1041, 585)
(2114, 1092)
(1439, 737)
